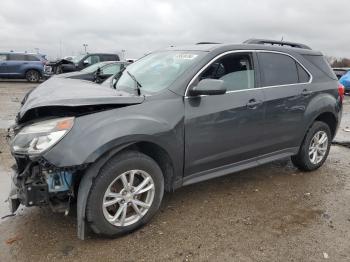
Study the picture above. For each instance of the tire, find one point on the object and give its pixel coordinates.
(110, 177)
(32, 76)
(304, 160)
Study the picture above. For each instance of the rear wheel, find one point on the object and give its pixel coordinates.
(315, 147)
(32, 76)
(125, 195)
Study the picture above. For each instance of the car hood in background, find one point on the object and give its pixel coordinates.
(66, 92)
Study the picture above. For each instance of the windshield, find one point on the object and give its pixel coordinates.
(92, 68)
(76, 59)
(157, 71)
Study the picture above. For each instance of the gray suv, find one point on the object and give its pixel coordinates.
(175, 117)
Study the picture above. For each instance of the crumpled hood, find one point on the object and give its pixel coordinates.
(68, 92)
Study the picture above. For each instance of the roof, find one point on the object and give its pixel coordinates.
(228, 47)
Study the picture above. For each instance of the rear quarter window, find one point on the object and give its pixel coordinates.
(321, 63)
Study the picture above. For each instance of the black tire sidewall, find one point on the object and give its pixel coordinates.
(113, 168)
(316, 127)
(37, 73)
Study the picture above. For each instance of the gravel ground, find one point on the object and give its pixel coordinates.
(269, 213)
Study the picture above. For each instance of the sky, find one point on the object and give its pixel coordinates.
(60, 28)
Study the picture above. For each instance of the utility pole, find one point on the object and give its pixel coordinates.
(60, 48)
(85, 46)
(123, 51)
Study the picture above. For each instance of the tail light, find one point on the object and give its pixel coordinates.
(341, 92)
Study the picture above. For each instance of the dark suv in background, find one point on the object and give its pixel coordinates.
(21, 66)
(77, 63)
(175, 117)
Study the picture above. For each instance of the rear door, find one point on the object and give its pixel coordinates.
(285, 82)
(15, 64)
(224, 129)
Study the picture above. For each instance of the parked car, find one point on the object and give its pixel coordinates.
(98, 72)
(21, 66)
(340, 71)
(345, 81)
(173, 118)
(77, 63)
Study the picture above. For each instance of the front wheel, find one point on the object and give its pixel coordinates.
(315, 147)
(125, 195)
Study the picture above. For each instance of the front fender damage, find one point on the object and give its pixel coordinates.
(85, 187)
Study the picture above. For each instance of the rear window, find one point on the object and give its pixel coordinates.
(17, 57)
(321, 63)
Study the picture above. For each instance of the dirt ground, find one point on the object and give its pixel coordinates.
(269, 213)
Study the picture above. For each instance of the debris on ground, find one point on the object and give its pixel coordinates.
(325, 255)
(12, 240)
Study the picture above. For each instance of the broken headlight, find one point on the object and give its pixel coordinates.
(39, 137)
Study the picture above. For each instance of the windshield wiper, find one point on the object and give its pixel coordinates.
(137, 84)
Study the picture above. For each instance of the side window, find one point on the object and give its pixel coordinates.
(277, 69)
(236, 70)
(110, 69)
(109, 58)
(32, 58)
(3, 57)
(17, 57)
(303, 75)
(93, 59)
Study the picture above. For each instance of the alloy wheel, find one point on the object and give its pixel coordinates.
(318, 147)
(128, 198)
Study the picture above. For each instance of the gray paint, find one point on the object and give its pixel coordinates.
(198, 133)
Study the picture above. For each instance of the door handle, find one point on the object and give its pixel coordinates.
(253, 103)
(306, 92)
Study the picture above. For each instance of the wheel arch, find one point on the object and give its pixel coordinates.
(34, 69)
(330, 119)
(156, 152)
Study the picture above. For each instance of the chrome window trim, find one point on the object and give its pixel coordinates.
(250, 51)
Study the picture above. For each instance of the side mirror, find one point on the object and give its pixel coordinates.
(208, 87)
(86, 62)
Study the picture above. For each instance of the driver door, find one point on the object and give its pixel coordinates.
(222, 130)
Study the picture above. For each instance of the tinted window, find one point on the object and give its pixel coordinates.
(236, 70)
(110, 69)
(321, 63)
(2, 57)
(32, 58)
(17, 57)
(93, 59)
(110, 58)
(277, 69)
(303, 75)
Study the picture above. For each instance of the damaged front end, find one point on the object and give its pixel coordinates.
(35, 182)
(58, 67)
(40, 186)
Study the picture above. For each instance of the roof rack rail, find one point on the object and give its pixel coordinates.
(274, 42)
(207, 43)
